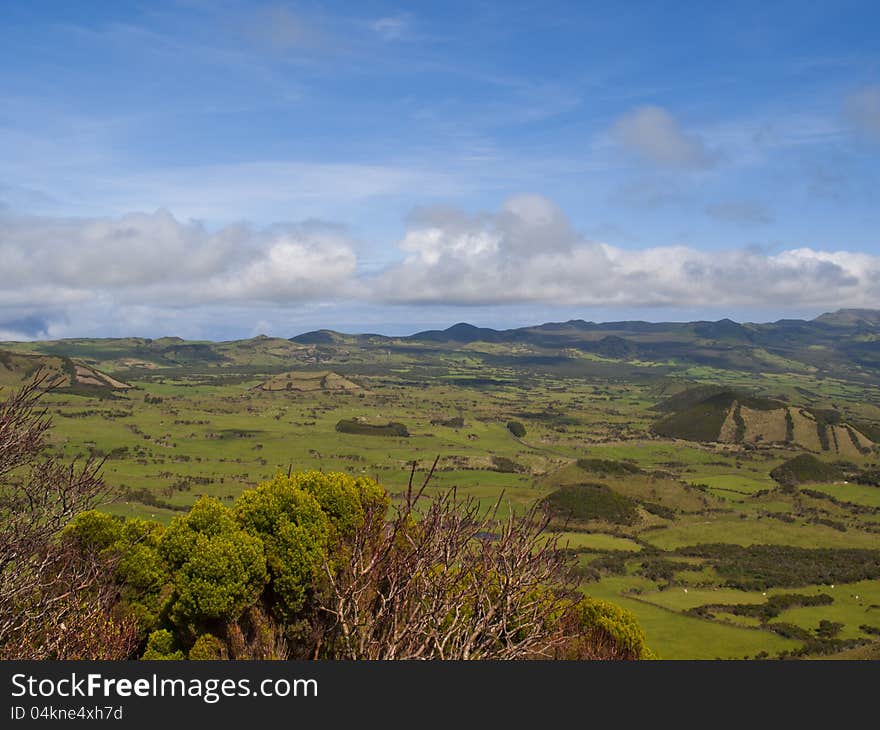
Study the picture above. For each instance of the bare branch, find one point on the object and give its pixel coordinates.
(451, 582)
(53, 603)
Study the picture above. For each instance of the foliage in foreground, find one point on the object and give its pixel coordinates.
(304, 566)
(54, 600)
(308, 566)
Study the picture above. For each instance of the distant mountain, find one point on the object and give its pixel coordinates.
(845, 341)
(843, 344)
(725, 329)
(461, 332)
(851, 318)
(318, 337)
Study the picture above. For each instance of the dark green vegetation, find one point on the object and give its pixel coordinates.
(516, 428)
(774, 606)
(586, 502)
(455, 422)
(806, 468)
(608, 467)
(767, 566)
(370, 429)
(681, 423)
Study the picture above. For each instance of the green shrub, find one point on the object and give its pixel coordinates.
(161, 645)
(207, 648)
(608, 467)
(505, 465)
(345, 499)
(295, 531)
(606, 625)
(456, 422)
(139, 570)
(93, 530)
(349, 425)
(591, 502)
(516, 428)
(805, 468)
(217, 568)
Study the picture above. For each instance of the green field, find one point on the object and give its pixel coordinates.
(218, 427)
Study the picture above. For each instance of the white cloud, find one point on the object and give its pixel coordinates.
(295, 265)
(863, 108)
(154, 258)
(654, 135)
(150, 273)
(528, 252)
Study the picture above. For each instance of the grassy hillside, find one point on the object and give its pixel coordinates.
(309, 381)
(712, 414)
(61, 373)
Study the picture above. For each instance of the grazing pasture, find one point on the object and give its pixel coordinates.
(637, 506)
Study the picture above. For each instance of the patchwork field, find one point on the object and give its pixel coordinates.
(687, 528)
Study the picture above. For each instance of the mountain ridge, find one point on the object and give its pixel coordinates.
(843, 344)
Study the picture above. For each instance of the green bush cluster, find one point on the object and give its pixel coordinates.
(505, 465)
(516, 428)
(254, 580)
(805, 468)
(757, 567)
(349, 425)
(455, 422)
(604, 624)
(770, 609)
(591, 502)
(187, 584)
(608, 467)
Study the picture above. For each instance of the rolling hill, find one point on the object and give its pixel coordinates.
(62, 373)
(842, 345)
(303, 382)
(717, 414)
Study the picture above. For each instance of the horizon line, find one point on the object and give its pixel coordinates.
(452, 326)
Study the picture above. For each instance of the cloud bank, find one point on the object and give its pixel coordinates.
(153, 258)
(525, 253)
(528, 252)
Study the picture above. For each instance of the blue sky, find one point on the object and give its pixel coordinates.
(218, 169)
